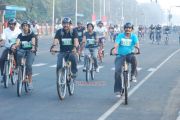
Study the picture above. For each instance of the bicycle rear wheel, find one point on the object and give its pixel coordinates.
(6, 74)
(26, 86)
(19, 82)
(61, 83)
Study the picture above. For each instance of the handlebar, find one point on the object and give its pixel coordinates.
(130, 53)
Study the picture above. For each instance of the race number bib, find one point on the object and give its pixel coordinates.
(12, 41)
(126, 42)
(66, 41)
(79, 33)
(26, 45)
(90, 41)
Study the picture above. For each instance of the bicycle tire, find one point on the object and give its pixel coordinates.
(19, 82)
(26, 86)
(87, 65)
(6, 74)
(71, 86)
(61, 83)
(92, 71)
(125, 87)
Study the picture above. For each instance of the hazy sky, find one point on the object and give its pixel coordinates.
(166, 5)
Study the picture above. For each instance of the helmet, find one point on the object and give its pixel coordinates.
(67, 20)
(26, 22)
(34, 22)
(128, 25)
(100, 22)
(91, 25)
(12, 21)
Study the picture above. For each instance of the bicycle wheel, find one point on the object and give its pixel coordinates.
(92, 71)
(125, 87)
(87, 69)
(19, 81)
(71, 86)
(26, 86)
(61, 83)
(6, 74)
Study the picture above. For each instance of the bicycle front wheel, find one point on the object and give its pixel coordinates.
(19, 82)
(61, 83)
(6, 74)
(92, 72)
(87, 69)
(125, 87)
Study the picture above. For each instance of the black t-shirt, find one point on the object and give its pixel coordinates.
(66, 40)
(80, 33)
(26, 41)
(90, 39)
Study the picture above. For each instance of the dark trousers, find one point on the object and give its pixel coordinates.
(2, 59)
(119, 61)
(71, 56)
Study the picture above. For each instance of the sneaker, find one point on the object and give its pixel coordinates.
(97, 69)
(118, 94)
(30, 86)
(133, 78)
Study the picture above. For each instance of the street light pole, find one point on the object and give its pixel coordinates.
(53, 19)
(100, 8)
(76, 15)
(122, 12)
(104, 7)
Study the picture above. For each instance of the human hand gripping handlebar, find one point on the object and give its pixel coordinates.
(136, 52)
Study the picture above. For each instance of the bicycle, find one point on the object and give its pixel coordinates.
(64, 78)
(158, 36)
(89, 65)
(166, 39)
(101, 49)
(9, 69)
(125, 76)
(22, 78)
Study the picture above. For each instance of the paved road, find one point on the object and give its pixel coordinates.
(156, 96)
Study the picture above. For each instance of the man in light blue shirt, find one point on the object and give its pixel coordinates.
(125, 44)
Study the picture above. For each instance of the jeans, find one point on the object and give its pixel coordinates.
(29, 59)
(3, 58)
(72, 58)
(94, 54)
(119, 61)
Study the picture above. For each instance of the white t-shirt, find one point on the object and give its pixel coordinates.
(35, 29)
(10, 36)
(100, 31)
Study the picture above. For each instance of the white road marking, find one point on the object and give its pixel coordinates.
(118, 103)
(53, 66)
(39, 64)
(35, 74)
(151, 69)
(138, 68)
(79, 66)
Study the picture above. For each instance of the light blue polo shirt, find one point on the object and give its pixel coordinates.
(126, 45)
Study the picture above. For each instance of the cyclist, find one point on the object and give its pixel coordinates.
(152, 30)
(26, 44)
(36, 30)
(101, 33)
(80, 29)
(158, 33)
(124, 45)
(8, 38)
(91, 41)
(68, 40)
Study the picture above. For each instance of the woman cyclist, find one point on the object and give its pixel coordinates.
(26, 44)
